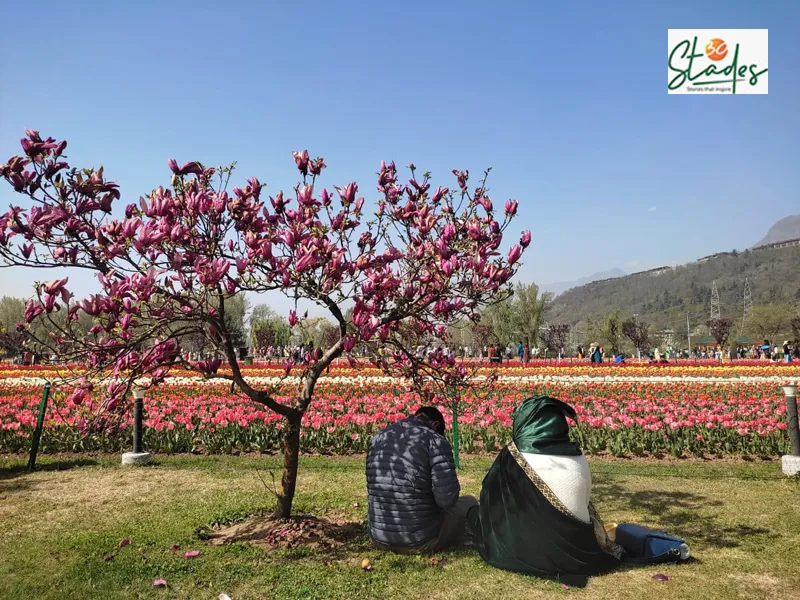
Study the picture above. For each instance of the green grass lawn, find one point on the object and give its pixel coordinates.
(742, 521)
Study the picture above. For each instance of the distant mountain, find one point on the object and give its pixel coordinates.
(787, 228)
(559, 287)
(664, 296)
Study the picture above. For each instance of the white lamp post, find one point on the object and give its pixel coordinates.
(138, 456)
(790, 463)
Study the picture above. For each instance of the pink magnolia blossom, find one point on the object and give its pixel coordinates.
(301, 160)
(209, 367)
(349, 343)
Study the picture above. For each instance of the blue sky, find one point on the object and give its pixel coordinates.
(566, 101)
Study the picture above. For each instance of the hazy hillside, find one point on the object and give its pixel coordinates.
(787, 228)
(559, 287)
(665, 296)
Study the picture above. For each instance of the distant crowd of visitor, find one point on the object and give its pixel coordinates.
(498, 354)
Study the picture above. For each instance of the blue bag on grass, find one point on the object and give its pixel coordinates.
(646, 545)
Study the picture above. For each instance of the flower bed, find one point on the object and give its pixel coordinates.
(676, 410)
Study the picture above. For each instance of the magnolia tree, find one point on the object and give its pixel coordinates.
(12, 342)
(720, 329)
(638, 332)
(168, 265)
(267, 329)
(555, 337)
(264, 338)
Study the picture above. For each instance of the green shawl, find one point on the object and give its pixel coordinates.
(519, 524)
(540, 427)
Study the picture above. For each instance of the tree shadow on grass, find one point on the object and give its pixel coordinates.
(691, 516)
(57, 465)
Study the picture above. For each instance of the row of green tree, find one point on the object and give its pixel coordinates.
(524, 318)
(520, 318)
(775, 322)
(257, 327)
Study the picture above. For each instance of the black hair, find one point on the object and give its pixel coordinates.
(433, 416)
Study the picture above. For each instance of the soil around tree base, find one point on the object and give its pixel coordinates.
(287, 534)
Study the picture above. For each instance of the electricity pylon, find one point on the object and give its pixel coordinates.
(715, 312)
(747, 305)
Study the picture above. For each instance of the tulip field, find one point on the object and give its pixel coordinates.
(698, 408)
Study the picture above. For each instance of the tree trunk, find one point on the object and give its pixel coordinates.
(291, 458)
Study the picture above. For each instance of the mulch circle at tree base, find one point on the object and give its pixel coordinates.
(288, 534)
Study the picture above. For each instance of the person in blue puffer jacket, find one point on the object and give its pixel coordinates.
(413, 491)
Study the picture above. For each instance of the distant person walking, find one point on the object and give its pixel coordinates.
(597, 354)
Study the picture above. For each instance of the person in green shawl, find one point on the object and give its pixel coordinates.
(535, 514)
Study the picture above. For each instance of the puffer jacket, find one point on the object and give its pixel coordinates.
(411, 481)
